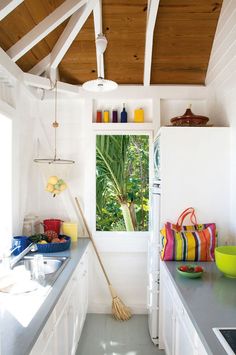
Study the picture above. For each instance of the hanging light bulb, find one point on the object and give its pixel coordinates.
(100, 84)
(101, 43)
(55, 125)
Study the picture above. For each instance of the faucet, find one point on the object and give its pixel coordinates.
(16, 259)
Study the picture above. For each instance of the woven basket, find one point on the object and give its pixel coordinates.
(54, 247)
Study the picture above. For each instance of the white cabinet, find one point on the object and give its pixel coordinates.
(168, 320)
(62, 331)
(179, 336)
(183, 344)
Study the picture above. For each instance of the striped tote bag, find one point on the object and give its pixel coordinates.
(194, 242)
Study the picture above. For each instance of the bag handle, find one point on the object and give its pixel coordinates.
(189, 211)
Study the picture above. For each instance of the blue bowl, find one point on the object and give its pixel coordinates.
(54, 247)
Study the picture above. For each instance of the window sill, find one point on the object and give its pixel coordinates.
(121, 242)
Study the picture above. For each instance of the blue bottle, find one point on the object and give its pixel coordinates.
(123, 115)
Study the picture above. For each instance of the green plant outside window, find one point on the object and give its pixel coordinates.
(122, 182)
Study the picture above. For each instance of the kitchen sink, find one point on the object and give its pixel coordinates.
(52, 267)
(51, 264)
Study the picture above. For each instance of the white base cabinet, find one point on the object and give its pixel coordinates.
(61, 333)
(178, 335)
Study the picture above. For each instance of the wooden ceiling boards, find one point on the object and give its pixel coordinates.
(183, 39)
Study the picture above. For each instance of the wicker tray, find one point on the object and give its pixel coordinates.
(54, 247)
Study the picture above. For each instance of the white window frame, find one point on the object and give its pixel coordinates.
(8, 112)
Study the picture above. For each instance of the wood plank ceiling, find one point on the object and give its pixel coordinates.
(183, 38)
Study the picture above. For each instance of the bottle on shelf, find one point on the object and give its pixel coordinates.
(99, 116)
(139, 115)
(123, 115)
(114, 116)
(106, 116)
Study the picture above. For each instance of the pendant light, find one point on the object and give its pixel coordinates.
(100, 84)
(55, 125)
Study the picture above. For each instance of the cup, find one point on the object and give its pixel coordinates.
(71, 230)
(19, 243)
(52, 225)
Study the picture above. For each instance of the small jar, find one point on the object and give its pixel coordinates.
(31, 225)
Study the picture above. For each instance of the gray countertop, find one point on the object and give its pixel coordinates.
(210, 302)
(18, 334)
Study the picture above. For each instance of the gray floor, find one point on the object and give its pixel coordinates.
(102, 335)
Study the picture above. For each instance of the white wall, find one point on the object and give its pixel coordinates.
(221, 83)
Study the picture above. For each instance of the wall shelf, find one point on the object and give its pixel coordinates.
(130, 126)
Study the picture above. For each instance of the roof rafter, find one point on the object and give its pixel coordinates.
(151, 20)
(45, 83)
(70, 32)
(46, 26)
(7, 6)
(41, 66)
(97, 16)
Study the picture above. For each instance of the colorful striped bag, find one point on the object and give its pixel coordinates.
(195, 242)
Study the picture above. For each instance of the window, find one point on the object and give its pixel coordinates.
(122, 182)
(6, 181)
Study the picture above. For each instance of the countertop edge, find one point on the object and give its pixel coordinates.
(26, 337)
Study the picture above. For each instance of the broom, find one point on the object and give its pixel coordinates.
(119, 310)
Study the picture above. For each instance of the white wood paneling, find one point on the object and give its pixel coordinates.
(224, 46)
(221, 82)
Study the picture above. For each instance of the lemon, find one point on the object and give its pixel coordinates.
(42, 242)
(53, 180)
(56, 192)
(49, 187)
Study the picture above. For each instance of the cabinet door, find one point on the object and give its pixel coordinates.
(184, 345)
(168, 320)
(50, 348)
(61, 333)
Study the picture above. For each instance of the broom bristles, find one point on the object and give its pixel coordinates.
(119, 310)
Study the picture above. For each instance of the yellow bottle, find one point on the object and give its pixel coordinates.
(139, 115)
(106, 116)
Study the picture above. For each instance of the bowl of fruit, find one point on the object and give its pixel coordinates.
(190, 271)
(50, 242)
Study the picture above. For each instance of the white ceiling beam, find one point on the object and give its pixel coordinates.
(42, 66)
(47, 25)
(7, 6)
(10, 66)
(151, 20)
(97, 16)
(45, 83)
(70, 32)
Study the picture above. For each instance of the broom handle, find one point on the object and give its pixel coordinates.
(92, 240)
